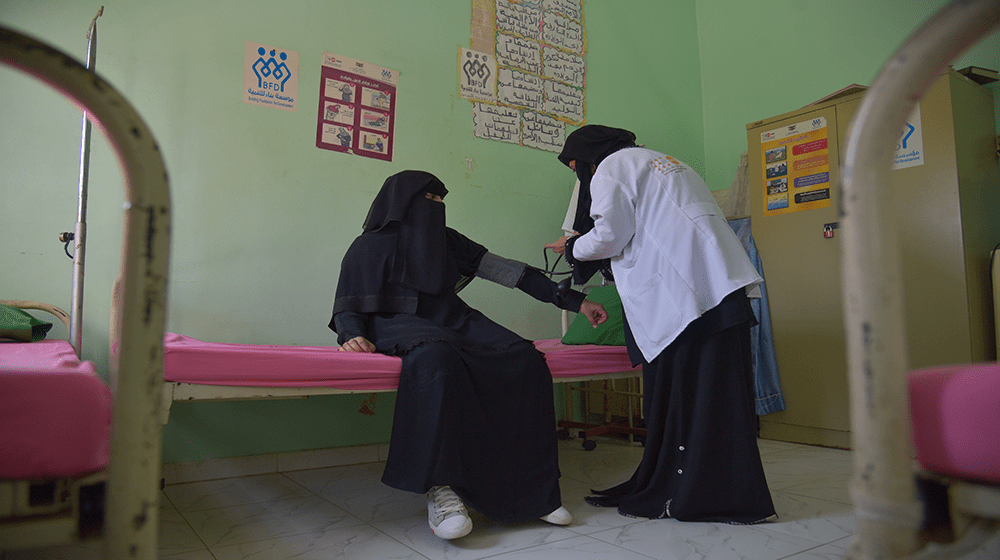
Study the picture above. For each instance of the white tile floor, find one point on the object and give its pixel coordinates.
(346, 512)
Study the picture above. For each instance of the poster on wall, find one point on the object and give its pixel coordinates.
(270, 77)
(477, 76)
(796, 167)
(357, 107)
(538, 50)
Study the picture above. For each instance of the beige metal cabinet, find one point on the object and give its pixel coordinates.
(948, 206)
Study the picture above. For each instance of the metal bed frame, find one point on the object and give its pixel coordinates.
(883, 488)
(136, 375)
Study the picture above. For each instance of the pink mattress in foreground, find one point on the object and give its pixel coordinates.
(55, 412)
(955, 412)
(187, 360)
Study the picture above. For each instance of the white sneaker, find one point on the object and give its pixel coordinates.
(446, 514)
(558, 517)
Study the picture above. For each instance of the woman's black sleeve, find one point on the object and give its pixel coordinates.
(467, 253)
(538, 286)
(348, 325)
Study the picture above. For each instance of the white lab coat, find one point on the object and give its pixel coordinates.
(567, 226)
(672, 251)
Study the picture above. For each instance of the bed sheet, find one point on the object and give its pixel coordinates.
(955, 411)
(55, 412)
(572, 360)
(188, 360)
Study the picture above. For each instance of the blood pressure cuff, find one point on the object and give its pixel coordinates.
(506, 272)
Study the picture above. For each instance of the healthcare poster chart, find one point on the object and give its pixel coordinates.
(270, 77)
(357, 107)
(796, 167)
(534, 71)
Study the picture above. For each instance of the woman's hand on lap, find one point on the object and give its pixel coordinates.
(358, 344)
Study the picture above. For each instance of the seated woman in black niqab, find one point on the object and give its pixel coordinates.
(474, 417)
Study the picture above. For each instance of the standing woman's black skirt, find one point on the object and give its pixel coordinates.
(701, 461)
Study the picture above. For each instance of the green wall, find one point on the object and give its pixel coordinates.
(261, 216)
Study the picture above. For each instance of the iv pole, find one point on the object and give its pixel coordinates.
(80, 237)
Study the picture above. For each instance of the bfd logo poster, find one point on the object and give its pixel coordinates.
(270, 77)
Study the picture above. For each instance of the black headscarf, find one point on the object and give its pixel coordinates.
(403, 250)
(589, 145)
(421, 259)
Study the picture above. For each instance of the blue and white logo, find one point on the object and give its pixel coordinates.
(910, 142)
(271, 74)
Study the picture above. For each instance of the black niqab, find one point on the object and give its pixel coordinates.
(403, 250)
(420, 260)
(393, 201)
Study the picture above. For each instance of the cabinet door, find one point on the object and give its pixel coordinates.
(802, 272)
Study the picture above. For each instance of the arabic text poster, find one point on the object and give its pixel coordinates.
(540, 46)
(796, 167)
(270, 77)
(357, 107)
(493, 122)
(537, 67)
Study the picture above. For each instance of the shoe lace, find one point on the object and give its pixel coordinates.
(446, 501)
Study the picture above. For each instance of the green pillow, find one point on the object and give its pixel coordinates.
(19, 325)
(610, 333)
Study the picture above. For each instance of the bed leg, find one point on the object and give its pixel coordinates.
(166, 399)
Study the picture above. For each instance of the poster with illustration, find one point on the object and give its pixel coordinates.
(338, 135)
(342, 113)
(357, 107)
(796, 167)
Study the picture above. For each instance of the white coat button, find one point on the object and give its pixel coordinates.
(681, 448)
(680, 471)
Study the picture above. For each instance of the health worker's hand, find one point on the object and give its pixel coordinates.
(559, 246)
(594, 312)
(358, 344)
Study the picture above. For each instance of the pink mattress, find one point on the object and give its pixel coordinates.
(55, 412)
(187, 360)
(955, 412)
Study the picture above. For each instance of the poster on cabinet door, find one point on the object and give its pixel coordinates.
(796, 167)
(357, 107)
(910, 143)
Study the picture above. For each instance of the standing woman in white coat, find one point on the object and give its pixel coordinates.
(683, 278)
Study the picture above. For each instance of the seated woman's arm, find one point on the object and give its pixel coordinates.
(540, 287)
(515, 274)
(474, 259)
(352, 331)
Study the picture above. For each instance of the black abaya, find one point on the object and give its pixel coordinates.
(701, 461)
(474, 408)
